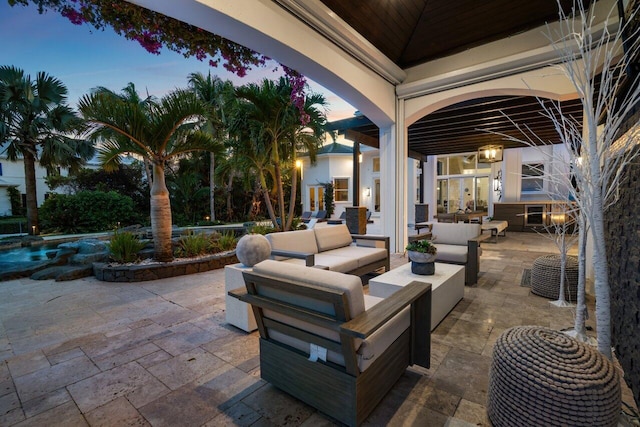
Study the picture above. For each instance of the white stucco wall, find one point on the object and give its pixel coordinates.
(13, 174)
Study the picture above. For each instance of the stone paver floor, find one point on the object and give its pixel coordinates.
(159, 353)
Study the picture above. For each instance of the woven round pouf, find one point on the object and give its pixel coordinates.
(542, 377)
(545, 277)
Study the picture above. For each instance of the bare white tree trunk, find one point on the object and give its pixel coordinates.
(592, 58)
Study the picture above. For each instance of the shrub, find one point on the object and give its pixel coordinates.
(194, 244)
(227, 241)
(124, 246)
(87, 211)
(262, 229)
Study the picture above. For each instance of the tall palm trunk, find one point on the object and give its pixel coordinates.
(281, 207)
(229, 190)
(147, 172)
(292, 202)
(212, 186)
(32, 197)
(161, 215)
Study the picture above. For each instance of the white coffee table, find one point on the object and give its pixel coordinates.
(447, 286)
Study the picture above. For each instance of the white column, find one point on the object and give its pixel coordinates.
(393, 156)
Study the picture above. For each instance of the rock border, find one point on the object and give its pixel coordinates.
(144, 272)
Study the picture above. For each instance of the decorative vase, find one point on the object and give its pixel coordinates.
(422, 263)
(252, 249)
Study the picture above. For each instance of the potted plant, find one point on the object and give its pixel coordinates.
(422, 254)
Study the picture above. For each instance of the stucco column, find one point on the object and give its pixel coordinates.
(393, 156)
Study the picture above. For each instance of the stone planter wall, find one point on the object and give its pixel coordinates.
(622, 223)
(144, 272)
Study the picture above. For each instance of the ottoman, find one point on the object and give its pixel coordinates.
(545, 277)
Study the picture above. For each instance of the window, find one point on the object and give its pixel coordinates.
(341, 189)
(376, 164)
(532, 177)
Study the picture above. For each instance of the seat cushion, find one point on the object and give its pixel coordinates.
(363, 256)
(331, 237)
(336, 263)
(454, 234)
(451, 253)
(368, 350)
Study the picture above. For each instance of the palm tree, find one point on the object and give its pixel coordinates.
(278, 133)
(36, 122)
(218, 95)
(159, 131)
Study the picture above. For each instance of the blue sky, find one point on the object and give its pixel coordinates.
(83, 58)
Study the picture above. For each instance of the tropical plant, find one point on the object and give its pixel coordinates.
(262, 229)
(276, 134)
(227, 241)
(158, 131)
(15, 199)
(87, 212)
(36, 124)
(422, 246)
(125, 246)
(153, 30)
(128, 179)
(194, 244)
(329, 203)
(218, 95)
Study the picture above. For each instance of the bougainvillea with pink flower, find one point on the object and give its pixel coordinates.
(153, 31)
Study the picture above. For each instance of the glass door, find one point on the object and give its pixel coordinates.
(316, 198)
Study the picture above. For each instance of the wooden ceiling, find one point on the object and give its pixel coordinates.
(466, 126)
(413, 32)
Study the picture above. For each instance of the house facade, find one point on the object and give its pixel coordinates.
(12, 175)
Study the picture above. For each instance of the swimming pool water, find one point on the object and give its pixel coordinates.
(29, 253)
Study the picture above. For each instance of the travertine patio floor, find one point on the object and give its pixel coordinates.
(160, 353)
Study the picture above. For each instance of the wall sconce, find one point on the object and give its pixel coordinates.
(360, 158)
(367, 192)
(490, 154)
(496, 184)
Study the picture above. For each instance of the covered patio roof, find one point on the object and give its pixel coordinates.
(468, 125)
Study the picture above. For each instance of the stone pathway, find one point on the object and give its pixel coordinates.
(159, 353)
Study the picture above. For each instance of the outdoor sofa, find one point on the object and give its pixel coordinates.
(331, 247)
(459, 243)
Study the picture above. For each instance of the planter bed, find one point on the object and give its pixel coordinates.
(143, 272)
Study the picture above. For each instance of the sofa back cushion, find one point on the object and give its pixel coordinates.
(298, 241)
(454, 234)
(351, 285)
(332, 237)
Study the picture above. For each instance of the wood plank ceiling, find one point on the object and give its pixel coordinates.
(412, 32)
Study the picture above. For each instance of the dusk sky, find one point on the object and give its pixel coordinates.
(83, 58)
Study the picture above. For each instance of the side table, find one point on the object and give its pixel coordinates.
(237, 313)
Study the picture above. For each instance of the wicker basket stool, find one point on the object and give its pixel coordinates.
(542, 377)
(545, 277)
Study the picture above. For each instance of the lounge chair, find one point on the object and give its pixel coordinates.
(306, 215)
(326, 343)
(321, 216)
(340, 220)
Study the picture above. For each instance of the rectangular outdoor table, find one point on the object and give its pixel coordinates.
(447, 286)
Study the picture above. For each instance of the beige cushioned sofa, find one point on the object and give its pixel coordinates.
(332, 247)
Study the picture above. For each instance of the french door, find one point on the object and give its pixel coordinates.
(316, 198)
